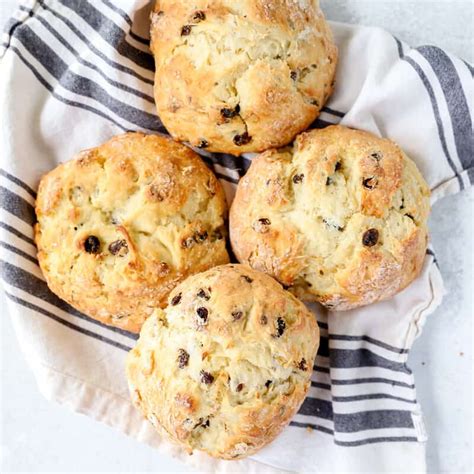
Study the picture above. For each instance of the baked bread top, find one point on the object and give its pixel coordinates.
(121, 224)
(340, 218)
(227, 364)
(240, 76)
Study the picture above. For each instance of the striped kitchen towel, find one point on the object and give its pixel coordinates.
(73, 73)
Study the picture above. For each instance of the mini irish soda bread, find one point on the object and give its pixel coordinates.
(240, 75)
(340, 218)
(121, 224)
(227, 364)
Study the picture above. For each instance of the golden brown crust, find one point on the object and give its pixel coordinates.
(158, 214)
(210, 54)
(302, 215)
(227, 364)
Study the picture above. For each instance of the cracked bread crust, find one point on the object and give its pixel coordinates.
(340, 218)
(240, 76)
(227, 364)
(122, 224)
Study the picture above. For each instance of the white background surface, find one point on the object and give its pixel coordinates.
(38, 436)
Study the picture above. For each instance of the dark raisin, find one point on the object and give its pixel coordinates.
(281, 326)
(268, 383)
(160, 13)
(202, 424)
(377, 156)
(119, 247)
(176, 299)
(200, 237)
(187, 243)
(294, 75)
(338, 166)
(247, 278)
(298, 178)
(186, 30)
(328, 181)
(314, 102)
(303, 365)
(206, 377)
(370, 183)
(239, 387)
(230, 113)
(203, 144)
(202, 313)
(243, 139)
(263, 320)
(183, 358)
(403, 204)
(264, 221)
(227, 113)
(370, 237)
(199, 16)
(75, 228)
(410, 216)
(203, 294)
(236, 315)
(92, 244)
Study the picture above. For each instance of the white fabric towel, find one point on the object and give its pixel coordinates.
(73, 73)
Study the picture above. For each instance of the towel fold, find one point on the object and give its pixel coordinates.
(73, 74)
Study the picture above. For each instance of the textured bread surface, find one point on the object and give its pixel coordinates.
(238, 76)
(227, 364)
(122, 224)
(339, 218)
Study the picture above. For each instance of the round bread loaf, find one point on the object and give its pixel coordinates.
(122, 224)
(227, 364)
(340, 218)
(238, 76)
